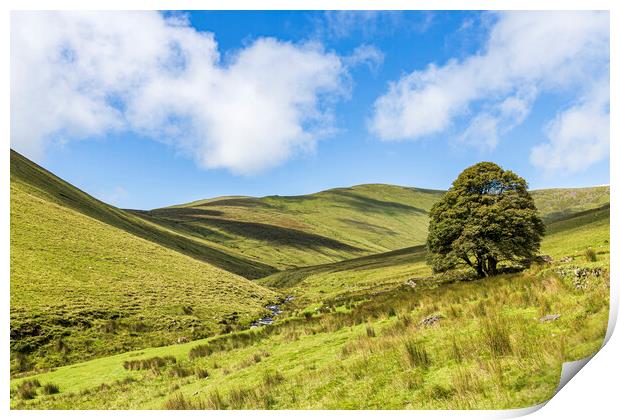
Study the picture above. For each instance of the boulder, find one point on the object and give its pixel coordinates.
(548, 318)
(431, 320)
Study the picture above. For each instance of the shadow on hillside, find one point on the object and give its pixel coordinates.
(367, 204)
(186, 213)
(367, 226)
(236, 202)
(294, 276)
(279, 235)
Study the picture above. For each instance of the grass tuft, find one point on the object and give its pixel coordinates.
(416, 355)
(590, 255)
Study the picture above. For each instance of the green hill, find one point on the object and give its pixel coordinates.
(486, 349)
(333, 225)
(569, 237)
(54, 190)
(558, 203)
(319, 228)
(88, 279)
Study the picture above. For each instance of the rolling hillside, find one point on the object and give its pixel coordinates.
(558, 203)
(54, 190)
(488, 349)
(333, 225)
(568, 237)
(319, 228)
(87, 281)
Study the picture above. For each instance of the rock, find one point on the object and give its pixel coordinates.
(182, 340)
(544, 259)
(548, 318)
(566, 259)
(431, 320)
(411, 283)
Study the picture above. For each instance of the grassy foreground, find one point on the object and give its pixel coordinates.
(431, 343)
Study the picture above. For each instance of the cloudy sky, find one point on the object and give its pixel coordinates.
(148, 109)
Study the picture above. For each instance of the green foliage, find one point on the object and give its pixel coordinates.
(590, 255)
(485, 219)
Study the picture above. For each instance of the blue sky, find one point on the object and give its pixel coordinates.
(330, 99)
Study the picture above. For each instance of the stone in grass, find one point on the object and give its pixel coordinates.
(411, 283)
(548, 318)
(431, 320)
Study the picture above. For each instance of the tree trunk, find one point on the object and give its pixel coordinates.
(492, 263)
(480, 267)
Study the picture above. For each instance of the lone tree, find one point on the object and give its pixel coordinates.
(485, 218)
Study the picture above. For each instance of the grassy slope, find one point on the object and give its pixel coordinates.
(311, 229)
(490, 351)
(53, 189)
(566, 237)
(333, 225)
(558, 203)
(84, 284)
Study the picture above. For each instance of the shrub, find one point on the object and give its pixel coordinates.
(49, 389)
(590, 255)
(416, 354)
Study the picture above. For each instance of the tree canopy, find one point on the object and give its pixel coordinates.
(486, 218)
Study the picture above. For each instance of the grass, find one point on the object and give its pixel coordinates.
(353, 337)
(559, 203)
(94, 289)
(512, 365)
(372, 351)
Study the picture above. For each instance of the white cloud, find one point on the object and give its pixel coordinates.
(578, 136)
(526, 53)
(485, 129)
(78, 75)
(372, 23)
(365, 54)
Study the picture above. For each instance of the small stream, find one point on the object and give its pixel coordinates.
(275, 311)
